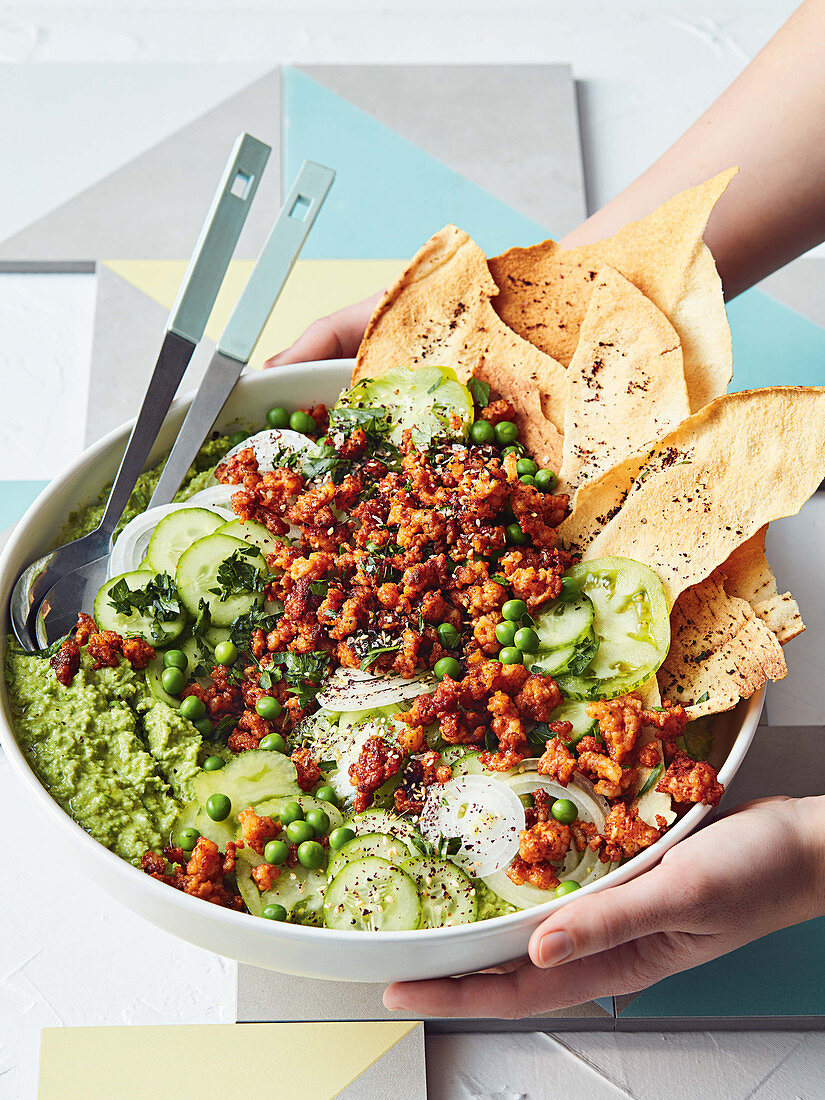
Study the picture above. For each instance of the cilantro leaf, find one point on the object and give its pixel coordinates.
(372, 655)
(480, 391)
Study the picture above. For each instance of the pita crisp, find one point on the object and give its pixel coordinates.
(545, 290)
(438, 312)
(684, 505)
(626, 382)
(719, 650)
(748, 575)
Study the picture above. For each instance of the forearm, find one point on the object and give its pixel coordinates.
(769, 123)
(809, 821)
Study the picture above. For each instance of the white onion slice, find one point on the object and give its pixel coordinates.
(216, 496)
(582, 867)
(484, 813)
(267, 443)
(130, 548)
(352, 689)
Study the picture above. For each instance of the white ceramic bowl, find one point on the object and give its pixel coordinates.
(316, 953)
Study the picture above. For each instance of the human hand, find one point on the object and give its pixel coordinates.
(750, 873)
(334, 337)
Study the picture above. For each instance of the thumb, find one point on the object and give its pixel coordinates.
(605, 920)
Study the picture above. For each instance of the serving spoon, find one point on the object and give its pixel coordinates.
(48, 593)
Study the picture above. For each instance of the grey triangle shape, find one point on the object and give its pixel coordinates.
(800, 286)
(511, 129)
(128, 332)
(153, 207)
(399, 1073)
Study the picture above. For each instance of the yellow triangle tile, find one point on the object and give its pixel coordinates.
(315, 288)
(314, 1061)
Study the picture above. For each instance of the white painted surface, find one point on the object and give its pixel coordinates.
(67, 952)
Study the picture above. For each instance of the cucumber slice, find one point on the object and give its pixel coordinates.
(250, 778)
(469, 764)
(176, 532)
(197, 576)
(576, 713)
(298, 889)
(371, 895)
(221, 832)
(375, 820)
(554, 661)
(564, 622)
(387, 847)
(631, 621)
(135, 624)
(422, 399)
(185, 820)
(446, 894)
(252, 532)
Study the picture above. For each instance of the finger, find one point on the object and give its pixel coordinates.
(530, 990)
(650, 903)
(333, 337)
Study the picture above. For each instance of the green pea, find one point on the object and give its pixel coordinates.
(564, 810)
(299, 831)
(447, 666)
(273, 742)
(528, 479)
(274, 912)
(172, 680)
(319, 820)
(175, 658)
(226, 653)
(506, 432)
(292, 811)
(302, 422)
(482, 431)
(188, 838)
(218, 807)
(515, 535)
(546, 480)
(311, 855)
(506, 633)
(278, 417)
(526, 466)
(327, 794)
(204, 727)
(341, 836)
(213, 764)
(526, 640)
(514, 610)
(275, 852)
(237, 438)
(513, 449)
(268, 707)
(510, 655)
(448, 635)
(569, 886)
(192, 708)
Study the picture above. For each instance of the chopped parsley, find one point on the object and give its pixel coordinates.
(373, 654)
(236, 576)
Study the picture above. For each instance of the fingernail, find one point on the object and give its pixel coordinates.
(554, 948)
(392, 1003)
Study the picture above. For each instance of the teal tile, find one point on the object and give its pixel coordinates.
(773, 345)
(389, 196)
(780, 975)
(15, 498)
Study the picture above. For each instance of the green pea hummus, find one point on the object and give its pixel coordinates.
(489, 904)
(116, 758)
(199, 475)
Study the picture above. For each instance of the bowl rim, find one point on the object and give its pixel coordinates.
(490, 928)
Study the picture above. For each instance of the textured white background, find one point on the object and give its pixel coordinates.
(70, 955)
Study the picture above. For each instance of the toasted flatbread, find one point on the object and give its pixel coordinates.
(545, 290)
(685, 504)
(626, 381)
(438, 312)
(719, 650)
(749, 576)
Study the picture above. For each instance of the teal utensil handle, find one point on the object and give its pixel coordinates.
(276, 261)
(218, 237)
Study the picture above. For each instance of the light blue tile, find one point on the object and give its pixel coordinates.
(15, 498)
(389, 196)
(773, 345)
